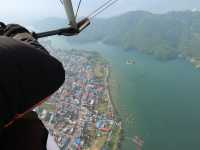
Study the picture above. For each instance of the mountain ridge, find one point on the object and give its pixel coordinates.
(165, 36)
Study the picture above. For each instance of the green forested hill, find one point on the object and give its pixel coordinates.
(165, 36)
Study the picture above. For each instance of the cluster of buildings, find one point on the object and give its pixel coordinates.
(72, 110)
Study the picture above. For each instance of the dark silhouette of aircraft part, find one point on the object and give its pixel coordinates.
(75, 27)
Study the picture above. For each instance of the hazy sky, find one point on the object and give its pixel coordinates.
(17, 10)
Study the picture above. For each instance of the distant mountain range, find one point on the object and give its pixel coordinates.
(164, 36)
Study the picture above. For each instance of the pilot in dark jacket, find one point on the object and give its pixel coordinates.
(28, 76)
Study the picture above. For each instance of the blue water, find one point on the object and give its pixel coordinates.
(158, 101)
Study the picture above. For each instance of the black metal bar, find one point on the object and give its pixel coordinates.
(65, 31)
(46, 34)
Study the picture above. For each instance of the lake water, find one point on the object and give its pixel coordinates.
(158, 101)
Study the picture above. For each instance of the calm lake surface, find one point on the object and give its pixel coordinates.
(158, 101)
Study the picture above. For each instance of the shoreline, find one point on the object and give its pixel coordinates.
(108, 80)
(114, 109)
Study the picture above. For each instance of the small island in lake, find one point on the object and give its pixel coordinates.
(130, 62)
(195, 62)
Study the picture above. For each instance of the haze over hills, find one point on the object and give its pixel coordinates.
(15, 10)
(164, 36)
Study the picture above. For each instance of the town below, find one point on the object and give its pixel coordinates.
(81, 115)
